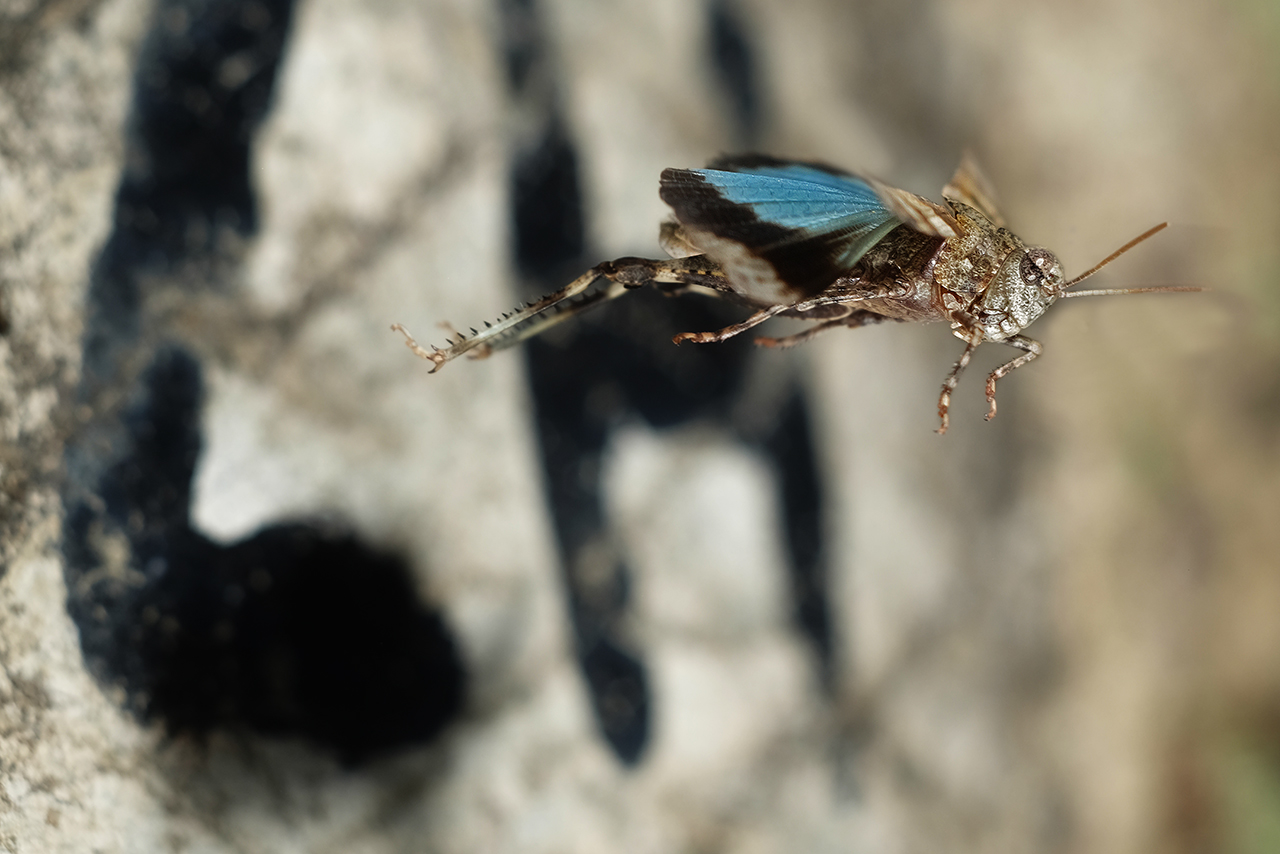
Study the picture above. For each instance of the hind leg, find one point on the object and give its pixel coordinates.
(622, 275)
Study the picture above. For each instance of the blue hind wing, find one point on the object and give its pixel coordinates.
(783, 231)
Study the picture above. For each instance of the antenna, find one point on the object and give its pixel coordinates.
(1110, 292)
(1114, 255)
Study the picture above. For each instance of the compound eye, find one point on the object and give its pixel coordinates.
(1040, 268)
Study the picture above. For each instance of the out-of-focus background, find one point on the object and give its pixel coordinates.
(268, 586)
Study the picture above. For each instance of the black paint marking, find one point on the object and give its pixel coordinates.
(546, 199)
(301, 629)
(521, 43)
(549, 236)
(735, 68)
(203, 85)
(790, 446)
(587, 377)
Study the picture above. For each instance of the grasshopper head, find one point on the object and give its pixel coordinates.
(1028, 282)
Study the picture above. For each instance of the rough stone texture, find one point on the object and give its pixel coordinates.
(71, 775)
(1053, 632)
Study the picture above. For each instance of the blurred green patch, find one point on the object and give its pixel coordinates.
(1153, 460)
(1247, 782)
(1264, 15)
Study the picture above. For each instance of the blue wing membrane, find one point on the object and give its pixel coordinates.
(783, 230)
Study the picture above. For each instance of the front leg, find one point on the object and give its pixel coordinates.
(1033, 348)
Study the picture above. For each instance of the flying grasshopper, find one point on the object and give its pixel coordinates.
(816, 243)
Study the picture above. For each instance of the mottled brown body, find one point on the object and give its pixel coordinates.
(903, 263)
(953, 262)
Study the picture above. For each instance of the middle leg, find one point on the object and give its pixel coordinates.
(852, 321)
(837, 302)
